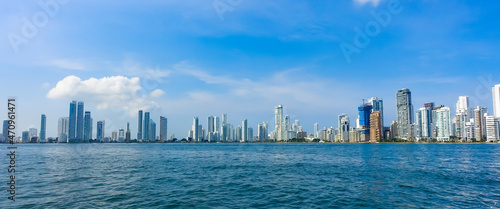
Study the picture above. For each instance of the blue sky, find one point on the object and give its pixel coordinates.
(191, 62)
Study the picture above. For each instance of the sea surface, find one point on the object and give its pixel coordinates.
(254, 176)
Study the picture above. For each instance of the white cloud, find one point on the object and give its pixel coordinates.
(67, 64)
(116, 92)
(363, 2)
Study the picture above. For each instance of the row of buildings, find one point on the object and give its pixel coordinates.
(430, 122)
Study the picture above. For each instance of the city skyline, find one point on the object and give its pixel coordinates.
(259, 56)
(431, 122)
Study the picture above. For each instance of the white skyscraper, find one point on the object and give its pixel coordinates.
(278, 115)
(492, 126)
(496, 101)
(195, 130)
(344, 129)
(244, 131)
(443, 123)
(463, 117)
(285, 128)
(423, 118)
(316, 130)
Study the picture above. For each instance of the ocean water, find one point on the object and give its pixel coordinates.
(254, 176)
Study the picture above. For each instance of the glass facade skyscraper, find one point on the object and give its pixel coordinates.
(145, 130)
(87, 127)
(79, 122)
(43, 128)
(139, 126)
(163, 128)
(364, 117)
(72, 121)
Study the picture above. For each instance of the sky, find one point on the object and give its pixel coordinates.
(185, 59)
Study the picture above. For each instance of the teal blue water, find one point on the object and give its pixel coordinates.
(254, 176)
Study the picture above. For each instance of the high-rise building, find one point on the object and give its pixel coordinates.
(244, 131)
(496, 100)
(250, 134)
(423, 118)
(25, 137)
(480, 122)
(121, 135)
(5, 128)
(146, 128)
(195, 130)
(377, 105)
(72, 121)
(260, 132)
(100, 131)
(33, 133)
(364, 117)
(443, 123)
(43, 125)
(344, 127)
(152, 131)
(394, 130)
(316, 130)
(278, 115)
(375, 126)
(210, 124)
(127, 134)
(266, 130)
(285, 128)
(87, 127)
(63, 129)
(492, 128)
(464, 114)
(79, 122)
(139, 125)
(405, 112)
(114, 136)
(163, 129)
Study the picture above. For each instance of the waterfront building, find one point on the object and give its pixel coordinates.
(405, 112)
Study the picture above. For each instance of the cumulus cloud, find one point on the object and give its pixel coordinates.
(363, 2)
(116, 92)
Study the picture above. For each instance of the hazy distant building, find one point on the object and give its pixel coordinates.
(43, 129)
(405, 112)
(5, 131)
(128, 134)
(375, 126)
(25, 137)
(464, 114)
(87, 127)
(152, 131)
(63, 129)
(163, 129)
(139, 125)
(100, 131)
(121, 135)
(147, 127)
